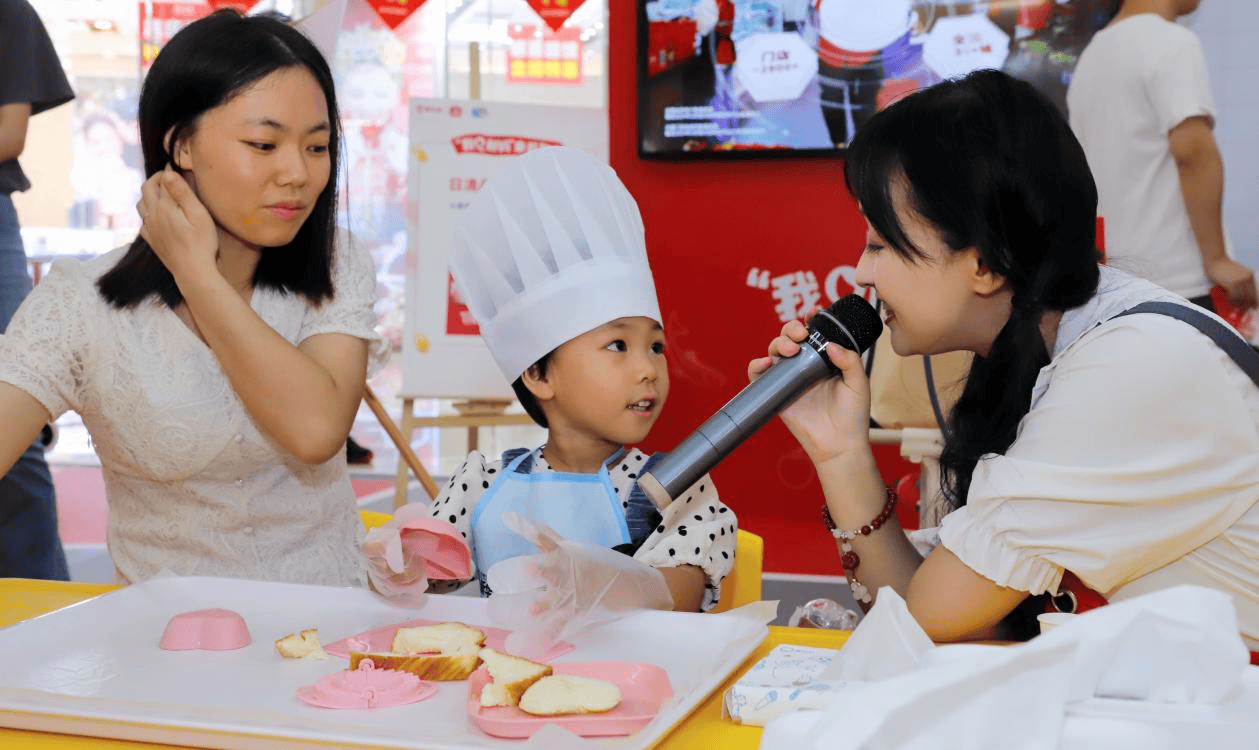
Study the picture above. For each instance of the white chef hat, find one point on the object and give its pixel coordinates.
(551, 247)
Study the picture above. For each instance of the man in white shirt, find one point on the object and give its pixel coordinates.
(1140, 104)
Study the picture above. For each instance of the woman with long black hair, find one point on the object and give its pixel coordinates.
(219, 360)
(1118, 449)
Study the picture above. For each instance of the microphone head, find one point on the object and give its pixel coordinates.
(851, 322)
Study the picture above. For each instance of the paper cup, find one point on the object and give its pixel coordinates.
(1050, 620)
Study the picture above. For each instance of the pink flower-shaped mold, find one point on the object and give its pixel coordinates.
(209, 629)
(366, 687)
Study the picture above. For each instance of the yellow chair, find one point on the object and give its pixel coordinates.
(743, 585)
(372, 519)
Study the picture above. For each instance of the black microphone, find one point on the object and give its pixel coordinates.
(851, 323)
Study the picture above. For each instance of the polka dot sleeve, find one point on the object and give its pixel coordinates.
(458, 499)
(696, 529)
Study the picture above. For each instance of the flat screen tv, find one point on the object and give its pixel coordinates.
(799, 77)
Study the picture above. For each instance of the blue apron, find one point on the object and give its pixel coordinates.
(580, 507)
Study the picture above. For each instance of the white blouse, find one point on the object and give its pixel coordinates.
(1137, 467)
(194, 487)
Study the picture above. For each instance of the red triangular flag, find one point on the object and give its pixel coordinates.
(555, 12)
(394, 12)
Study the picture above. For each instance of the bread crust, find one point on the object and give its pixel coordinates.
(437, 666)
(442, 652)
(510, 677)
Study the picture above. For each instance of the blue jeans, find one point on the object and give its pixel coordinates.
(30, 546)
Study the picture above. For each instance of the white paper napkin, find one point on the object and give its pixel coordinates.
(1179, 645)
(887, 642)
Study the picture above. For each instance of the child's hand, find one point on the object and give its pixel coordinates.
(403, 554)
(568, 585)
(177, 225)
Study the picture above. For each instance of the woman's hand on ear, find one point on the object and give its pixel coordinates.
(832, 416)
(176, 224)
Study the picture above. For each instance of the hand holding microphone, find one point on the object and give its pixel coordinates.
(850, 323)
(831, 415)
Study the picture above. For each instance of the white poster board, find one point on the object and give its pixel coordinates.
(456, 145)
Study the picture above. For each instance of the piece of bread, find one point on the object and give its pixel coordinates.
(442, 651)
(510, 677)
(303, 645)
(443, 637)
(570, 694)
(427, 666)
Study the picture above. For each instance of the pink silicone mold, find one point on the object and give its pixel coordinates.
(366, 687)
(209, 629)
(440, 545)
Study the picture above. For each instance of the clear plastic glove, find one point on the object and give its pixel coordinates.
(567, 586)
(411, 548)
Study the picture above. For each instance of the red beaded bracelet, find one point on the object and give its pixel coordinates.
(849, 557)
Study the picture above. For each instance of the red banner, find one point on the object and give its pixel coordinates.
(459, 320)
(498, 145)
(555, 12)
(394, 12)
(543, 56)
(169, 16)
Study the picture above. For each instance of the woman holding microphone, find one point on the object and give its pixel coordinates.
(1119, 450)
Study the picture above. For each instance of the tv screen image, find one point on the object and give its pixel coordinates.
(760, 77)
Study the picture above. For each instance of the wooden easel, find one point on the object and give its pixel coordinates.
(405, 454)
(472, 414)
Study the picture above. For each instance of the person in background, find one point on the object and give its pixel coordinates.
(218, 360)
(106, 187)
(1141, 106)
(1122, 451)
(551, 258)
(31, 81)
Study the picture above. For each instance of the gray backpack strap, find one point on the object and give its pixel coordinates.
(1227, 339)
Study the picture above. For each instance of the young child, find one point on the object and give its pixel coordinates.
(552, 262)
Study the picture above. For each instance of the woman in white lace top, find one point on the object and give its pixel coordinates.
(218, 361)
(1093, 455)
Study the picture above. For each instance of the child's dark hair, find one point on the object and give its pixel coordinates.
(204, 65)
(527, 399)
(991, 163)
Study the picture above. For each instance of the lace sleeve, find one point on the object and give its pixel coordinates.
(42, 350)
(351, 310)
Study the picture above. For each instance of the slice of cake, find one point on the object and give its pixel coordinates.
(510, 677)
(445, 637)
(303, 645)
(443, 651)
(569, 694)
(432, 665)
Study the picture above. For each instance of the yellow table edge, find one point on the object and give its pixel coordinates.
(702, 728)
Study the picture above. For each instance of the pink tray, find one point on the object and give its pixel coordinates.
(381, 639)
(644, 689)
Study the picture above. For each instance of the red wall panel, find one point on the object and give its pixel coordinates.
(709, 224)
